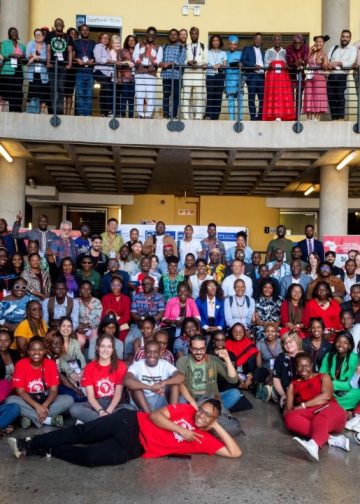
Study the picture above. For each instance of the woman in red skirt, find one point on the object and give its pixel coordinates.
(311, 410)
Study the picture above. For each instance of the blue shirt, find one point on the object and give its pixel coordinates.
(230, 254)
(174, 53)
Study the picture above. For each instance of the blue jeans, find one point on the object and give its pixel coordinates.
(230, 397)
(8, 413)
(84, 92)
(127, 98)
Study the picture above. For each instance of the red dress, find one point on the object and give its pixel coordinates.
(330, 316)
(278, 95)
(121, 308)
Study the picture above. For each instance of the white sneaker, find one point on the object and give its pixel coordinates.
(79, 422)
(357, 438)
(310, 447)
(339, 442)
(353, 424)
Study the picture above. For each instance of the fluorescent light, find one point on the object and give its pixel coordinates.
(346, 160)
(5, 154)
(309, 191)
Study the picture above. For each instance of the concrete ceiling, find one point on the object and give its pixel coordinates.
(137, 170)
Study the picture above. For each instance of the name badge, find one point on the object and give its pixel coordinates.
(37, 69)
(112, 254)
(13, 62)
(59, 56)
(272, 363)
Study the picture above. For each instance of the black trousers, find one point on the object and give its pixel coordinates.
(214, 93)
(336, 87)
(110, 440)
(259, 374)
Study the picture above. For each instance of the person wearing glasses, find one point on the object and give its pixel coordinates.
(87, 272)
(179, 429)
(201, 372)
(13, 306)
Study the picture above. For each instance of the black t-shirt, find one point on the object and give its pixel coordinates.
(59, 46)
(284, 369)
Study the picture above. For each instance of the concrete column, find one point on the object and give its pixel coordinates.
(334, 189)
(335, 18)
(13, 178)
(15, 13)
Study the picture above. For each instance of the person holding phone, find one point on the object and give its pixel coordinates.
(312, 411)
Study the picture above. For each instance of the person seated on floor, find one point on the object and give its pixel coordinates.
(54, 343)
(245, 351)
(72, 360)
(311, 410)
(316, 345)
(153, 382)
(189, 328)
(201, 372)
(36, 381)
(127, 435)
(103, 380)
(8, 358)
(269, 348)
(341, 364)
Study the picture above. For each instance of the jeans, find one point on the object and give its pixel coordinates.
(255, 83)
(230, 397)
(84, 92)
(154, 401)
(61, 404)
(67, 390)
(127, 99)
(8, 413)
(214, 92)
(166, 98)
(60, 89)
(110, 440)
(105, 92)
(336, 87)
(85, 412)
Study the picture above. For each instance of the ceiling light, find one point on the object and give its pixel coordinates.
(346, 160)
(309, 190)
(4, 153)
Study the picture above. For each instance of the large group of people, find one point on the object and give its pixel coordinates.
(192, 72)
(127, 338)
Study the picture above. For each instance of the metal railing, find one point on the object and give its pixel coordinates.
(230, 93)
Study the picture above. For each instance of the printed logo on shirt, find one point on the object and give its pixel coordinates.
(183, 423)
(105, 387)
(35, 386)
(58, 45)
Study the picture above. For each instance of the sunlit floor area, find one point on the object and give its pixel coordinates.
(271, 470)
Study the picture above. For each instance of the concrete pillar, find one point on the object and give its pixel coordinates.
(15, 13)
(334, 189)
(13, 179)
(335, 18)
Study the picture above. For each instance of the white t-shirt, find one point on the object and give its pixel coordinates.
(150, 375)
(190, 247)
(160, 247)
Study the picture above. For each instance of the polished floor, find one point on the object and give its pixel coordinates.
(271, 470)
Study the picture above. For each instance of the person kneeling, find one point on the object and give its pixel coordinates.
(151, 380)
(312, 411)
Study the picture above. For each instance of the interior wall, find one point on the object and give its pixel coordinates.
(53, 212)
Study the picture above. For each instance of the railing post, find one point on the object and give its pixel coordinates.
(114, 123)
(298, 127)
(177, 125)
(238, 126)
(55, 119)
(356, 127)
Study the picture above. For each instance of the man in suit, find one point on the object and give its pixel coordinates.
(310, 244)
(349, 277)
(253, 58)
(296, 276)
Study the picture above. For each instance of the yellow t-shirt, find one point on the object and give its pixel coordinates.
(23, 330)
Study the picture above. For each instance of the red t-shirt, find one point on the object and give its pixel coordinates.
(31, 379)
(159, 442)
(101, 379)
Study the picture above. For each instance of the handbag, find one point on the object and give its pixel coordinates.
(40, 397)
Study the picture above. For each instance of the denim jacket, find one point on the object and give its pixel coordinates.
(30, 69)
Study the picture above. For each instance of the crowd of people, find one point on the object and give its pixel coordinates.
(196, 73)
(130, 337)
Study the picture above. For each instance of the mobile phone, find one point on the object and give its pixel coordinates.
(179, 456)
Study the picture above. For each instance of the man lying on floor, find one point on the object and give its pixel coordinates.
(114, 439)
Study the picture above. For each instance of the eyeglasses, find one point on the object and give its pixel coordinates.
(20, 287)
(198, 350)
(202, 411)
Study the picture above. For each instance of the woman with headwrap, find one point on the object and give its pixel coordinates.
(232, 80)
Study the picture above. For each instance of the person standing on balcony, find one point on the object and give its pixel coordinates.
(232, 79)
(173, 55)
(253, 60)
(341, 59)
(59, 48)
(194, 83)
(103, 72)
(315, 98)
(11, 71)
(147, 56)
(85, 59)
(215, 78)
(127, 74)
(36, 74)
(70, 78)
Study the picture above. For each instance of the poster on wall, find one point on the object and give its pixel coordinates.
(341, 245)
(226, 234)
